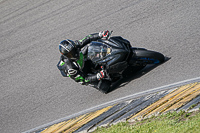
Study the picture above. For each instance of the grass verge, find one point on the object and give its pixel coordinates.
(172, 122)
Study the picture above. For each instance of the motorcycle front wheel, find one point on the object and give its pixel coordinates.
(143, 56)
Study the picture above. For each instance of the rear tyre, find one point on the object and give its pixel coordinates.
(104, 86)
(131, 70)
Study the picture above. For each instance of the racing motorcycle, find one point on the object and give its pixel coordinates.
(115, 55)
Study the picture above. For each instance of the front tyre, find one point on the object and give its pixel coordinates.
(149, 57)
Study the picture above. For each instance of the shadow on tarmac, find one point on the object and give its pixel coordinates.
(134, 74)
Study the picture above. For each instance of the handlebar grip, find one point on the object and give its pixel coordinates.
(107, 77)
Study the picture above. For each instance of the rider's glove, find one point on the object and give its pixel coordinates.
(105, 34)
(101, 75)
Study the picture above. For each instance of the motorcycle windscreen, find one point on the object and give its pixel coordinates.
(98, 51)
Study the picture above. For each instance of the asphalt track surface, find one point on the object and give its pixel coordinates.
(32, 90)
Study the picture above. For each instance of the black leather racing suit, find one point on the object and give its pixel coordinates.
(79, 70)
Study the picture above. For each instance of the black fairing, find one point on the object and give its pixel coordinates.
(116, 52)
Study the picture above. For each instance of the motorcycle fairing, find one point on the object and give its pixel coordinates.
(114, 51)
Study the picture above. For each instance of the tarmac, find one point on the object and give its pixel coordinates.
(179, 96)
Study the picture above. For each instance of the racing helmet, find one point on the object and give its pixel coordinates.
(67, 48)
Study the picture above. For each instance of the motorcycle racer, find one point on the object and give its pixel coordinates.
(74, 64)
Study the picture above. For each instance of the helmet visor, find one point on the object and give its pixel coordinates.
(69, 55)
(65, 47)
